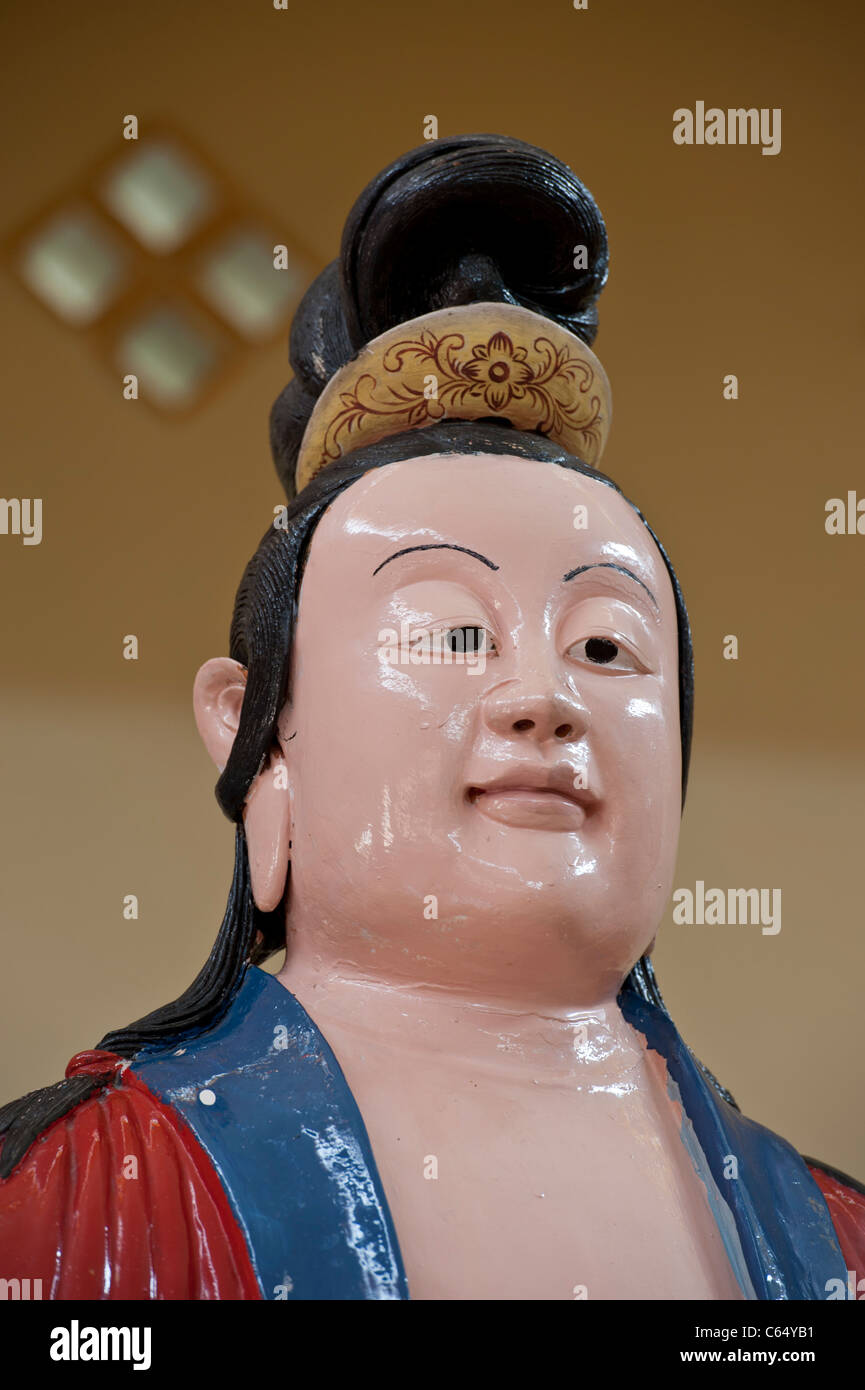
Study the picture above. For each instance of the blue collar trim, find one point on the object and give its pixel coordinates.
(289, 1145)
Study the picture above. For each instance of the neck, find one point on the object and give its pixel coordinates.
(586, 1046)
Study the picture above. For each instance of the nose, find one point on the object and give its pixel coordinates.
(540, 715)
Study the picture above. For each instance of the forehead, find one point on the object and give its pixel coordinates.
(532, 518)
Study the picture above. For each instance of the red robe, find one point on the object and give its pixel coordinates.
(117, 1200)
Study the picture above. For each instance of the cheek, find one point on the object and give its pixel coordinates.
(378, 746)
(639, 763)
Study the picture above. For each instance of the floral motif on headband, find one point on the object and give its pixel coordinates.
(545, 381)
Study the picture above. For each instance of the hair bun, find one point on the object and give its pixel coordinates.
(467, 218)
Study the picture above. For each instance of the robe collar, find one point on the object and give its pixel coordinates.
(268, 1102)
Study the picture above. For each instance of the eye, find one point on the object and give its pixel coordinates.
(603, 651)
(470, 639)
(467, 638)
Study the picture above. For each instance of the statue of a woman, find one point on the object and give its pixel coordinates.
(453, 734)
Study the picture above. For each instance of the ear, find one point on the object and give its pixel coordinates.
(217, 698)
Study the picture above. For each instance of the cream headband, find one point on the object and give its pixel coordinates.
(463, 363)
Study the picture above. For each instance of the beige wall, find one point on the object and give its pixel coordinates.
(722, 261)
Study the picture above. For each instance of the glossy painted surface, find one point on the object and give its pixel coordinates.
(246, 1173)
(479, 853)
(391, 766)
(272, 1109)
(480, 850)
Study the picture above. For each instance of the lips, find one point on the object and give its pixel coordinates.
(534, 799)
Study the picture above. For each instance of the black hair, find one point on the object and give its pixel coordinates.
(456, 221)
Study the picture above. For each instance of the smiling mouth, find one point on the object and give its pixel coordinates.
(529, 808)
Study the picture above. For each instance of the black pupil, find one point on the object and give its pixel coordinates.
(601, 649)
(458, 641)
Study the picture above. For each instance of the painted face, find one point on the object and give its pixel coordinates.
(483, 744)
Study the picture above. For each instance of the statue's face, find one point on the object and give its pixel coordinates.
(463, 825)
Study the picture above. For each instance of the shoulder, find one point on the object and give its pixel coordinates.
(117, 1200)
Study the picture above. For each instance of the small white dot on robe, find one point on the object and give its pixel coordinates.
(207, 1097)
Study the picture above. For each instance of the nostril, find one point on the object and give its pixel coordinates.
(522, 724)
(564, 731)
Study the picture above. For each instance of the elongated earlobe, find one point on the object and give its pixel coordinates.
(267, 822)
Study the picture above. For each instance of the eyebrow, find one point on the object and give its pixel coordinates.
(437, 545)
(608, 565)
(464, 550)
